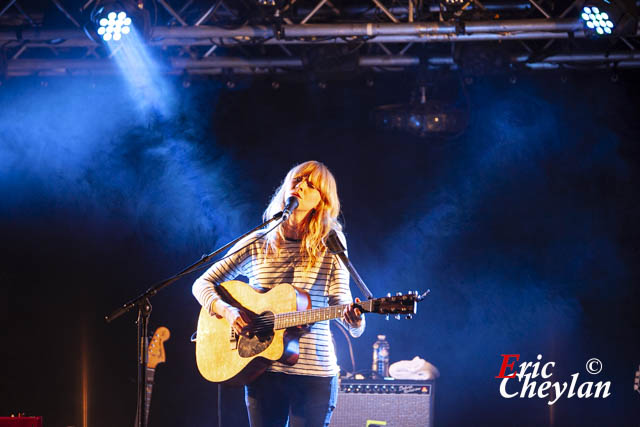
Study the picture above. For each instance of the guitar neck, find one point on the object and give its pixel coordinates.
(299, 318)
(150, 374)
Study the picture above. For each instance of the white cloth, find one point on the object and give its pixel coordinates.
(415, 369)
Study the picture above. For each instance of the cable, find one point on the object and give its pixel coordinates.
(353, 360)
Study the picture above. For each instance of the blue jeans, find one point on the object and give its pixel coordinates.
(305, 401)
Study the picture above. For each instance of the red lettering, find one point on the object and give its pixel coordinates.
(505, 365)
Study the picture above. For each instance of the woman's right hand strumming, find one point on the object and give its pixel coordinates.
(237, 318)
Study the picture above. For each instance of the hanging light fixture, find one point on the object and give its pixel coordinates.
(113, 20)
(602, 18)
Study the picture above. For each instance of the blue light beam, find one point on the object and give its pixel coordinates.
(147, 87)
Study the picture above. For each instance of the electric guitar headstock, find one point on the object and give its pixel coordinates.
(155, 353)
(398, 305)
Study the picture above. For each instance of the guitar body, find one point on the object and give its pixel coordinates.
(224, 357)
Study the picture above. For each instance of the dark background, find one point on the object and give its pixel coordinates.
(525, 229)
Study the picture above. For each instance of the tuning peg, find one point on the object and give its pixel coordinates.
(386, 317)
(421, 297)
(388, 294)
(397, 316)
(409, 317)
(398, 293)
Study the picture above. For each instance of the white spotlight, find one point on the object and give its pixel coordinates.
(114, 26)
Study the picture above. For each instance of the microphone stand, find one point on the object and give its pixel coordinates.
(337, 248)
(144, 312)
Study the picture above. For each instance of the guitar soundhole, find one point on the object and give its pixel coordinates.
(261, 336)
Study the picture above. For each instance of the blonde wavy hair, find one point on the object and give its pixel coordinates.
(319, 222)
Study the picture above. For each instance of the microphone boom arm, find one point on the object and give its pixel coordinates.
(335, 246)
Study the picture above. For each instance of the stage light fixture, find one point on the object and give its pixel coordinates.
(111, 21)
(453, 8)
(602, 18)
(114, 26)
(275, 4)
(428, 118)
(453, 3)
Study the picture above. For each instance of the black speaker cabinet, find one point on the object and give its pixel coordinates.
(391, 403)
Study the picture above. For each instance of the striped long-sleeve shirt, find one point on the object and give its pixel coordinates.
(327, 284)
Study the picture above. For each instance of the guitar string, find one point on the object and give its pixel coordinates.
(264, 323)
(267, 323)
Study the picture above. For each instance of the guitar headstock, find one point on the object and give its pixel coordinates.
(398, 305)
(155, 352)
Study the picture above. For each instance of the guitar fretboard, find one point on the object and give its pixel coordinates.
(297, 318)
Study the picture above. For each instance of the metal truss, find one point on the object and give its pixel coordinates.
(221, 37)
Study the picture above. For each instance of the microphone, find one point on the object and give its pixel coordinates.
(289, 207)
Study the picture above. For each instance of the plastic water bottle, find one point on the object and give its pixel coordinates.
(381, 357)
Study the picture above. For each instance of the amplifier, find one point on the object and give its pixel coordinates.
(20, 421)
(392, 403)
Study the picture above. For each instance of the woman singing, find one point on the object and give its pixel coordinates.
(304, 393)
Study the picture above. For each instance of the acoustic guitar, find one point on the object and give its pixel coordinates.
(278, 319)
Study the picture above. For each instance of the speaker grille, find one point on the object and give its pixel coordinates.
(386, 403)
